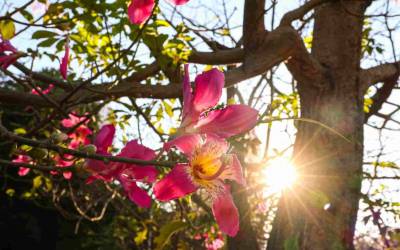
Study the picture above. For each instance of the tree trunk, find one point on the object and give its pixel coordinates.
(320, 211)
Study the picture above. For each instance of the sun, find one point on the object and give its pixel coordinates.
(280, 174)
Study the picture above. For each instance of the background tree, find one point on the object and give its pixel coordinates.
(322, 70)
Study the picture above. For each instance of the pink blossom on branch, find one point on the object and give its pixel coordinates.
(23, 159)
(140, 10)
(65, 61)
(79, 137)
(209, 166)
(44, 91)
(65, 161)
(8, 54)
(198, 115)
(127, 174)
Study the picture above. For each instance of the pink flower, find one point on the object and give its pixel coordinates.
(65, 161)
(215, 244)
(80, 135)
(209, 166)
(23, 159)
(127, 174)
(140, 10)
(64, 61)
(45, 91)
(11, 57)
(198, 116)
(73, 120)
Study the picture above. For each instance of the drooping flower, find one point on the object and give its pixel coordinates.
(198, 115)
(64, 61)
(23, 159)
(209, 166)
(127, 174)
(8, 54)
(44, 91)
(140, 10)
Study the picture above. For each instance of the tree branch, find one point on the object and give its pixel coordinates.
(279, 45)
(219, 57)
(380, 98)
(35, 166)
(253, 24)
(298, 13)
(5, 134)
(380, 73)
(42, 77)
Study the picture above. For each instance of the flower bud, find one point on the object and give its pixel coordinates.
(38, 153)
(90, 148)
(59, 137)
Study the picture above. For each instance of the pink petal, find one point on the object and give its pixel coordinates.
(104, 138)
(226, 213)
(230, 121)
(140, 10)
(134, 150)
(234, 171)
(186, 143)
(64, 62)
(103, 171)
(71, 121)
(7, 60)
(23, 159)
(23, 171)
(174, 185)
(187, 99)
(140, 173)
(50, 88)
(67, 175)
(137, 151)
(96, 165)
(7, 46)
(218, 145)
(136, 194)
(179, 2)
(208, 89)
(44, 92)
(91, 179)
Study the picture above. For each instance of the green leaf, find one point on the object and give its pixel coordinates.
(28, 16)
(166, 233)
(7, 29)
(20, 131)
(43, 34)
(168, 109)
(37, 181)
(10, 192)
(141, 236)
(47, 43)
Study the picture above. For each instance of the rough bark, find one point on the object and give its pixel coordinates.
(321, 211)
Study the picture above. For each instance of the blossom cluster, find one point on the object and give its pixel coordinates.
(201, 138)
(78, 137)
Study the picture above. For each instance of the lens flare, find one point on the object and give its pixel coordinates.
(280, 174)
